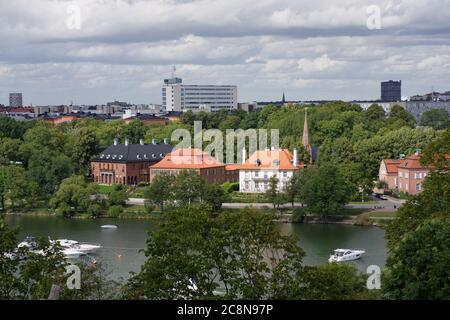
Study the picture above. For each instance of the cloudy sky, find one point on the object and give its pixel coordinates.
(122, 49)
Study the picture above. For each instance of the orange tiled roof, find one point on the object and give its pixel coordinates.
(268, 159)
(188, 158)
(392, 165)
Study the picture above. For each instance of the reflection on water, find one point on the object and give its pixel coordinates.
(121, 247)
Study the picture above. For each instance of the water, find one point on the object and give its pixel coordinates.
(120, 253)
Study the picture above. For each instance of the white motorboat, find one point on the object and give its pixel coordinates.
(73, 244)
(109, 226)
(72, 253)
(341, 255)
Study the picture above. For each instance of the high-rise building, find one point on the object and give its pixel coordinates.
(391, 91)
(211, 98)
(15, 100)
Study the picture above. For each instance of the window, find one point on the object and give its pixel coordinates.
(400, 174)
(418, 187)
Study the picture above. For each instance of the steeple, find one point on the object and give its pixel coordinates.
(305, 139)
(284, 98)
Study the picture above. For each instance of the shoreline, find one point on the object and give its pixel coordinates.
(285, 218)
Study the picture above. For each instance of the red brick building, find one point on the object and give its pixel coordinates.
(127, 163)
(404, 175)
(197, 160)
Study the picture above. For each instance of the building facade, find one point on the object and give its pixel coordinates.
(391, 90)
(127, 163)
(210, 98)
(15, 100)
(256, 171)
(189, 159)
(404, 175)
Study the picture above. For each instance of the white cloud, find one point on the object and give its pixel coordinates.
(126, 47)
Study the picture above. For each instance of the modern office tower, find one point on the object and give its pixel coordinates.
(15, 100)
(391, 91)
(177, 96)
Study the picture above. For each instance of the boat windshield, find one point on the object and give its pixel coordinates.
(338, 253)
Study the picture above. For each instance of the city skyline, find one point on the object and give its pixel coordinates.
(311, 51)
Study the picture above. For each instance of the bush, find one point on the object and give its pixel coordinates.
(230, 187)
(149, 207)
(115, 211)
(94, 210)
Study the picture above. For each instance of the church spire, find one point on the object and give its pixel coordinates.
(284, 98)
(305, 139)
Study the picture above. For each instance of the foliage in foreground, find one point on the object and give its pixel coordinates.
(231, 256)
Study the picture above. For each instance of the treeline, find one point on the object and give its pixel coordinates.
(35, 157)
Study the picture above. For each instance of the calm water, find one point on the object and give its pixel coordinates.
(120, 253)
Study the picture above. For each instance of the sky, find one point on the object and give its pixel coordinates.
(95, 51)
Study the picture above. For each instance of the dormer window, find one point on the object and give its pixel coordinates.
(153, 155)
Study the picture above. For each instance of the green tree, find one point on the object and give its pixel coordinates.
(134, 131)
(73, 196)
(331, 282)
(293, 187)
(117, 197)
(160, 190)
(273, 193)
(375, 112)
(243, 251)
(84, 148)
(214, 195)
(418, 267)
(436, 118)
(188, 188)
(325, 191)
(398, 112)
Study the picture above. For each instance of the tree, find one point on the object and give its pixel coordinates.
(134, 131)
(418, 267)
(214, 195)
(84, 148)
(398, 112)
(436, 118)
(243, 251)
(433, 202)
(188, 187)
(117, 197)
(32, 279)
(13, 185)
(325, 190)
(273, 194)
(437, 152)
(331, 282)
(160, 190)
(293, 187)
(74, 195)
(375, 112)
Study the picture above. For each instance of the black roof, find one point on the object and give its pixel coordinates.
(134, 153)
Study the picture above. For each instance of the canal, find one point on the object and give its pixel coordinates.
(120, 253)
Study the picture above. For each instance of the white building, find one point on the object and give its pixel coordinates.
(255, 173)
(180, 97)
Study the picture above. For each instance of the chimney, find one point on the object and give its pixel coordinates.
(244, 155)
(154, 142)
(126, 142)
(295, 161)
(141, 142)
(116, 141)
